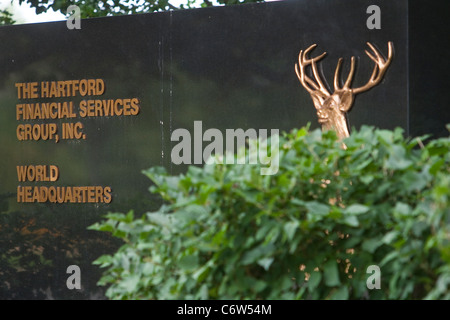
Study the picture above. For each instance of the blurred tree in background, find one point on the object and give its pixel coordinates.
(91, 8)
(6, 17)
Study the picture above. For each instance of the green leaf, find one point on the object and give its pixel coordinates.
(351, 221)
(102, 227)
(397, 159)
(202, 273)
(371, 245)
(390, 237)
(130, 283)
(331, 274)
(265, 263)
(160, 219)
(385, 136)
(367, 179)
(340, 294)
(314, 280)
(317, 208)
(156, 174)
(290, 228)
(402, 209)
(356, 209)
(415, 181)
(389, 257)
(189, 262)
(257, 253)
(104, 261)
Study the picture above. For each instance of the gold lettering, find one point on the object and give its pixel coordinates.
(83, 110)
(24, 194)
(116, 110)
(108, 106)
(61, 87)
(90, 194)
(83, 88)
(126, 107)
(45, 131)
(69, 195)
(37, 173)
(44, 89)
(98, 108)
(134, 106)
(75, 86)
(64, 111)
(21, 173)
(27, 90)
(91, 87)
(43, 192)
(36, 195)
(98, 194)
(53, 92)
(52, 194)
(45, 110)
(107, 192)
(100, 87)
(19, 111)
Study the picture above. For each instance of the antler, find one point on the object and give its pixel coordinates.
(349, 77)
(379, 69)
(306, 81)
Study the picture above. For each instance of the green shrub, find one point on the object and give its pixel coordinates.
(309, 232)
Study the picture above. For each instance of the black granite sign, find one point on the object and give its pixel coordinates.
(84, 111)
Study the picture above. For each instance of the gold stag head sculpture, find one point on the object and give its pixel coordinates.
(332, 108)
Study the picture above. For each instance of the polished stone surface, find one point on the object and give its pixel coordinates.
(229, 67)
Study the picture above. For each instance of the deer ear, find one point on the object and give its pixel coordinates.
(346, 101)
